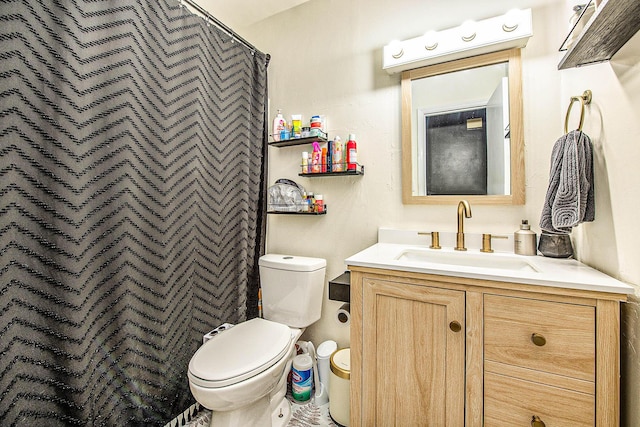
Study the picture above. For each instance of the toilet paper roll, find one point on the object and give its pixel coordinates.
(343, 316)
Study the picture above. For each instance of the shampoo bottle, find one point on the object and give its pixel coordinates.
(279, 126)
(524, 240)
(352, 153)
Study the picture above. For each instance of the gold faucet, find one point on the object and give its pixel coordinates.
(463, 209)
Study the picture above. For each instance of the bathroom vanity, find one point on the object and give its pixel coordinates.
(448, 338)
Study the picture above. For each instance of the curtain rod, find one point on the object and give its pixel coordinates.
(222, 26)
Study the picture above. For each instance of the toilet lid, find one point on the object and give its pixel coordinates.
(239, 353)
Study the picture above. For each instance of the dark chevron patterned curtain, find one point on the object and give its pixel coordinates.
(132, 213)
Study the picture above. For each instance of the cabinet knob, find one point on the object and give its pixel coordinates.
(537, 422)
(538, 339)
(455, 326)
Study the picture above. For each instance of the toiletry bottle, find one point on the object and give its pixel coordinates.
(279, 125)
(305, 162)
(330, 156)
(524, 240)
(319, 203)
(311, 202)
(324, 159)
(337, 154)
(316, 158)
(296, 126)
(352, 153)
(286, 132)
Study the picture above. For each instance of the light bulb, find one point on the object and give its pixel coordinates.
(468, 30)
(396, 49)
(511, 20)
(430, 40)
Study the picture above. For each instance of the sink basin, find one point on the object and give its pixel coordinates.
(465, 259)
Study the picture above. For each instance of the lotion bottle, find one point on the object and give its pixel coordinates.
(524, 240)
(279, 126)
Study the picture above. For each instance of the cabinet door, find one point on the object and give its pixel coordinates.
(413, 355)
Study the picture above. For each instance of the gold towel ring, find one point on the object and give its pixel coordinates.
(584, 100)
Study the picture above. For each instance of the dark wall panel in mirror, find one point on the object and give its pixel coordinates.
(456, 147)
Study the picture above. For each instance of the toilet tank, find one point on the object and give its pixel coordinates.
(292, 288)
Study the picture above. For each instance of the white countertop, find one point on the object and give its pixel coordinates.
(544, 271)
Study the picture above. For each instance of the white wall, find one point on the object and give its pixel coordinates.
(326, 59)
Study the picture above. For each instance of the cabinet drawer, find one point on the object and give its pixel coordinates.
(511, 402)
(565, 335)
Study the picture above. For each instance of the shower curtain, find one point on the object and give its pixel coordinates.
(132, 211)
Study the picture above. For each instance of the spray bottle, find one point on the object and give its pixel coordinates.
(316, 159)
(337, 158)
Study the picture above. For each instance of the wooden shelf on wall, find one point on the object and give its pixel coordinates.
(611, 26)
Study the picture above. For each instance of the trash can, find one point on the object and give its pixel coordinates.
(339, 384)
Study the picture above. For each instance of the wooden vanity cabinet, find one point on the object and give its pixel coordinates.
(430, 350)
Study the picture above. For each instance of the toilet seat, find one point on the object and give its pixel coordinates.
(238, 353)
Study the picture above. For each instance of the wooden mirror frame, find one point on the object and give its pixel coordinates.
(517, 196)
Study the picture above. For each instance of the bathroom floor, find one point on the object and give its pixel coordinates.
(302, 415)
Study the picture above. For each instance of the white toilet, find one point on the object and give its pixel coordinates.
(241, 373)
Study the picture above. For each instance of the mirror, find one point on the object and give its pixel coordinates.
(462, 131)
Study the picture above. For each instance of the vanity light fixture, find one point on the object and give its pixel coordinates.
(472, 38)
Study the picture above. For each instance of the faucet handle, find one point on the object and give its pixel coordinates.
(486, 242)
(435, 238)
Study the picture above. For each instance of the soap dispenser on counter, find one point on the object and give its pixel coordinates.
(524, 240)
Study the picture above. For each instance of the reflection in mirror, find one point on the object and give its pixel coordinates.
(462, 131)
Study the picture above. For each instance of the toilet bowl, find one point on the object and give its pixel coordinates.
(240, 374)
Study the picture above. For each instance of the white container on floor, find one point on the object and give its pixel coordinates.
(339, 384)
(325, 350)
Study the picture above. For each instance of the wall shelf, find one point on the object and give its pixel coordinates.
(358, 171)
(324, 212)
(298, 141)
(611, 26)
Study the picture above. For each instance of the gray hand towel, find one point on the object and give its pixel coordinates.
(570, 196)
